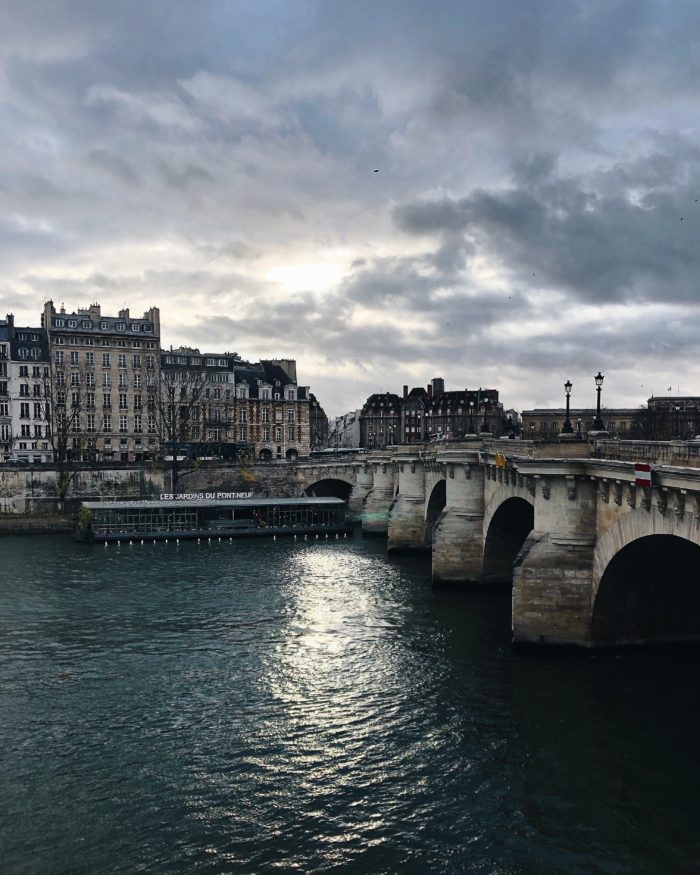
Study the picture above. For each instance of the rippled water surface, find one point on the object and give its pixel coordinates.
(283, 707)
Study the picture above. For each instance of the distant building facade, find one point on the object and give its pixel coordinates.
(234, 404)
(318, 424)
(430, 414)
(622, 422)
(24, 363)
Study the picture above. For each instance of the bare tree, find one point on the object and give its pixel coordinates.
(189, 423)
(67, 406)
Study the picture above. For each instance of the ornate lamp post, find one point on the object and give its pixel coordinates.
(568, 386)
(598, 422)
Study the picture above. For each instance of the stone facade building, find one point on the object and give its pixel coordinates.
(380, 421)
(101, 367)
(622, 422)
(24, 363)
(430, 414)
(318, 424)
(225, 405)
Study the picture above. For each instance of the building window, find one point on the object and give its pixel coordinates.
(119, 326)
(107, 422)
(290, 416)
(90, 380)
(74, 358)
(59, 357)
(90, 419)
(106, 400)
(24, 410)
(278, 432)
(137, 381)
(151, 425)
(105, 359)
(123, 424)
(243, 415)
(134, 326)
(137, 360)
(242, 432)
(122, 402)
(74, 378)
(266, 434)
(137, 423)
(90, 359)
(106, 380)
(24, 390)
(266, 414)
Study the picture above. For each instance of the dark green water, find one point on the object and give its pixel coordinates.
(276, 707)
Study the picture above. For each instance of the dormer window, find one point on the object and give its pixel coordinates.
(148, 328)
(135, 326)
(104, 326)
(86, 323)
(119, 326)
(59, 323)
(72, 323)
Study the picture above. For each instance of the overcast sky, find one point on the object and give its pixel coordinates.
(501, 193)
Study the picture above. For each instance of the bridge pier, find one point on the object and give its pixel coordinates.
(553, 571)
(359, 492)
(458, 550)
(406, 524)
(375, 506)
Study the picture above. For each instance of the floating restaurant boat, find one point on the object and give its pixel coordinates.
(233, 518)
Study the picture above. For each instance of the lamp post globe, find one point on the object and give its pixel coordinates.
(598, 422)
(567, 429)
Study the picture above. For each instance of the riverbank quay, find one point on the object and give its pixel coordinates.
(36, 524)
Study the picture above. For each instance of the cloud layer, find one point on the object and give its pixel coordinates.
(500, 194)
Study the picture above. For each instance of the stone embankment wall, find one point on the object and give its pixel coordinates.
(34, 490)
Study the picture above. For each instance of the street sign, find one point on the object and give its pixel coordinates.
(642, 475)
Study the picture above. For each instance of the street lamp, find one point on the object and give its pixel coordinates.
(471, 417)
(598, 422)
(678, 423)
(568, 386)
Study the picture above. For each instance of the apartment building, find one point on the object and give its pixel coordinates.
(100, 369)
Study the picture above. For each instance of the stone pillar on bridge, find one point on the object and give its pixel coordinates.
(553, 572)
(458, 542)
(406, 528)
(363, 484)
(375, 506)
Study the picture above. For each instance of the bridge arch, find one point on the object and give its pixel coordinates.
(643, 565)
(434, 507)
(330, 487)
(508, 526)
(649, 593)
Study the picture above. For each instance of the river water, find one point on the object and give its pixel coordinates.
(279, 707)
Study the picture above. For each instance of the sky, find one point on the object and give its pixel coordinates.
(503, 194)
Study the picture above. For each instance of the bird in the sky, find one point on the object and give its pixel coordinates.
(375, 171)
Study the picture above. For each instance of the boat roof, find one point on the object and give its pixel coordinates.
(157, 504)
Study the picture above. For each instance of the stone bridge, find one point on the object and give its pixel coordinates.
(593, 560)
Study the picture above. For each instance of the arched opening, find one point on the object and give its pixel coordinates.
(436, 503)
(509, 527)
(292, 455)
(649, 593)
(329, 489)
(265, 455)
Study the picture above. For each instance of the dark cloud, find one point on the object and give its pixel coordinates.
(538, 173)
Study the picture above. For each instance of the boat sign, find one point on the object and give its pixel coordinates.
(642, 475)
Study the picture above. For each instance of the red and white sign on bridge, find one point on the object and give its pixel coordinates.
(642, 475)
